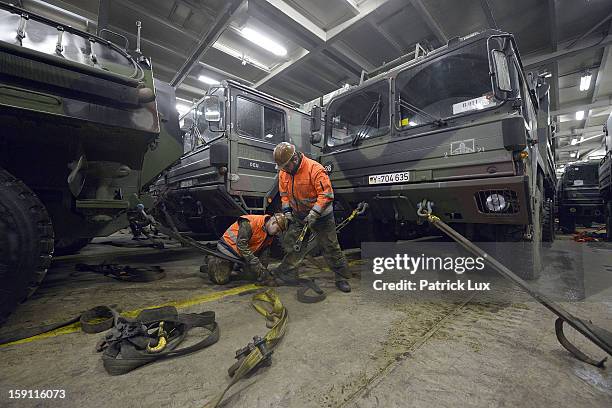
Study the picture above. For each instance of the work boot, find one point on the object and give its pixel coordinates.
(343, 286)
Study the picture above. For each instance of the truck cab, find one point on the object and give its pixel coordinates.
(227, 168)
(579, 198)
(463, 126)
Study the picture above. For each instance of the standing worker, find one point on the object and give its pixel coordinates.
(307, 196)
(246, 240)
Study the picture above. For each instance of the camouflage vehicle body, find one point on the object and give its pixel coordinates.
(85, 100)
(427, 141)
(578, 196)
(227, 169)
(605, 177)
(85, 127)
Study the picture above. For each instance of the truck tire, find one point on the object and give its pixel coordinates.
(548, 221)
(67, 246)
(26, 243)
(609, 221)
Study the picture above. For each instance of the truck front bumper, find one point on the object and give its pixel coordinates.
(465, 201)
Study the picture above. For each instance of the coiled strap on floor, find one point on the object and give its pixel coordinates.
(259, 352)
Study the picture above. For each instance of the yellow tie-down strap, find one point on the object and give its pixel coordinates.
(269, 305)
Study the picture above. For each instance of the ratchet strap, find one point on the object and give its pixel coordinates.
(124, 273)
(94, 320)
(155, 334)
(258, 353)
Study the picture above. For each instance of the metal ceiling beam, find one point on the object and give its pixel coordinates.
(534, 60)
(365, 9)
(281, 68)
(486, 9)
(141, 11)
(352, 55)
(220, 24)
(430, 21)
(603, 102)
(576, 132)
(387, 37)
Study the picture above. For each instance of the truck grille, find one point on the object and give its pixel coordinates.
(488, 200)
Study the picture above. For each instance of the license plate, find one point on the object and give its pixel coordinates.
(388, 178)
(579, 182)
(186, 183)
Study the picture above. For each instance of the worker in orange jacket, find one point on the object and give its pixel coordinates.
(307, 197)
(247, 240)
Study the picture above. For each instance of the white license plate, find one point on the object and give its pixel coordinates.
(402, 177)
(186, 183)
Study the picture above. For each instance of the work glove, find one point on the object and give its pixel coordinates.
(311, 218)
(289, 217)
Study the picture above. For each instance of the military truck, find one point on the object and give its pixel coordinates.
(578, 196)
(463, 126)
(227, 169)
(85, 128)
(605, 178)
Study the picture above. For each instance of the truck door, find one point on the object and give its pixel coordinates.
(257, 128)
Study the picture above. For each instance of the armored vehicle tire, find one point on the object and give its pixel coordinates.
(67, 246)
(26, 243)
(548, 221)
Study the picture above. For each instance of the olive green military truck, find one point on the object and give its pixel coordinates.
(84, 127)
(463, 126)
(578, 194)
(227, 169)
(605, 177)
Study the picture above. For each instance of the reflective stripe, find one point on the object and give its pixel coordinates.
(233, 236)
(329, 195)
(308, 200)
(317, 208)
(283, 194)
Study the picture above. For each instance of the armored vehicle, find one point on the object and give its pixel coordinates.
(227, 169)
(463, 126)
(84, 128)
(578, 196)
(605, 178)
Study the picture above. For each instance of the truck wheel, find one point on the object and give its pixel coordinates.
(68, 246)
(26, 243)
(609, 221)
(548, 221)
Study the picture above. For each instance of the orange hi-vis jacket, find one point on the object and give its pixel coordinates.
(260, 238)
(308, 189)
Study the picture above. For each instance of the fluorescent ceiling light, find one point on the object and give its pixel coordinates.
(208, 80)
(585, 81)
(573, 154)
(241, 56)
(264, 42)
(580, 115)
(574, 141)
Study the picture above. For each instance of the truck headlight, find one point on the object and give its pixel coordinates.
(496, 203)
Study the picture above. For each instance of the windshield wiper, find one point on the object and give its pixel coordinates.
(436, 120)
(362, 132)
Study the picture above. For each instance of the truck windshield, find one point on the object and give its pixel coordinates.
(452, 84)
(581, 175)
(360, 115)
(200, 133)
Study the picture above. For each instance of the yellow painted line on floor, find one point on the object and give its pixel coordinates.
(179, 304)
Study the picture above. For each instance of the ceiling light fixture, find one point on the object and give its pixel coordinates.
(574, 141)
(573, 154)
(245, 59)
(580, 115)
(208, 80)
(585, 81)
(263, 41)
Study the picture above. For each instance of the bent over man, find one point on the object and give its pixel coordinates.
(246, 240)
(307, 198)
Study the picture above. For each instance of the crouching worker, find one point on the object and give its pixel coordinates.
(247, 240)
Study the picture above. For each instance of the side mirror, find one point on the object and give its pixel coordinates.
(315, 119)
(315, 137)
(502, 73)
(212, 109)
